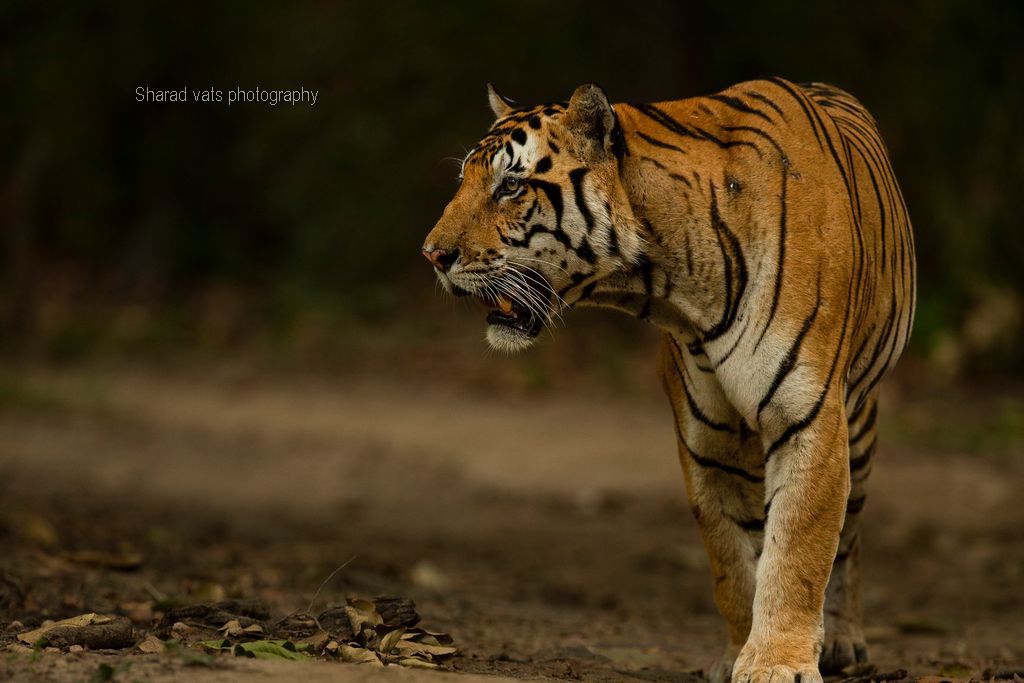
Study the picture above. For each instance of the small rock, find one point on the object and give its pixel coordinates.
(427, 575)
(76, 648)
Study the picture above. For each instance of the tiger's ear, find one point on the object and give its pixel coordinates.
(500, 105)
(591, 116)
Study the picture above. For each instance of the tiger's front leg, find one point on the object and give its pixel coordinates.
(722, 467)
(807, 481)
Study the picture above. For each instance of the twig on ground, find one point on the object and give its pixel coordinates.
(154, 592)
(309, 608)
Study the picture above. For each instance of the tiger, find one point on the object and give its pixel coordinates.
(763, 231)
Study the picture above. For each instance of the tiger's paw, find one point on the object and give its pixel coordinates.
(776, 674)
(843, 649)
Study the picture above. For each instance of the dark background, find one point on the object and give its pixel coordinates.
(133, 228)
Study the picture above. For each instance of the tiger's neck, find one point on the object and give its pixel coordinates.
(678, 194)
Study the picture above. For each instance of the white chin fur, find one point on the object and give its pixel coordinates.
(507, 339)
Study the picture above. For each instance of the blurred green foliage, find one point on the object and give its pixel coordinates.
(156, 216)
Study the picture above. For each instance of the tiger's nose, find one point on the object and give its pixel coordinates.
(442, 259)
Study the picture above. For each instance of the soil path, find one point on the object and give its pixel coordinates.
(548, 534)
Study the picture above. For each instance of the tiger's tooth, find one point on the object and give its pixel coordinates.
(505, 305)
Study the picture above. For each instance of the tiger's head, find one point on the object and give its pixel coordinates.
(539, 215)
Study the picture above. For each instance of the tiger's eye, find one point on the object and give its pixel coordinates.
(510, 184)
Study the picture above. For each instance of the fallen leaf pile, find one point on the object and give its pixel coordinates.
(379, 632)
(392, 639)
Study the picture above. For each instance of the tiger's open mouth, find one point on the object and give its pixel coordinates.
(509, 313)
(512, 313)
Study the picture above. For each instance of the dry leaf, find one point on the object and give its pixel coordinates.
(316, 642)
(357, 655)
(181, 630)
(234, 629)
(428, 637)
(362, 614)
(417, 663)
(413, 648)
(152, 645)
(388, 642)
(231, 628)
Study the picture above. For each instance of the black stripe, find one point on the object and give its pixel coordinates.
(855, 505)
(812, 414)
(695, 410)
(658, 143)
(803, 105)
(748, 524)
(882, 340)
(671, 124)
(861, 461)
(576, 177)
(735, 344)
(784, 167)
(681, 178)
(529, 212)
(861, 404)
(789, 360)
(732, 255)
(554, 195)
(708, 462)
(688, 249)
(777, 293)
(766, 100)
(655, 162)
(540, 229)
(728, 469)
(585, 251)
(845, 553)
(619, 148)
(613, 240)
(867, 426)
(739, 105)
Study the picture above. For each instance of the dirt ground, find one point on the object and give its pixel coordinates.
(546, 532)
